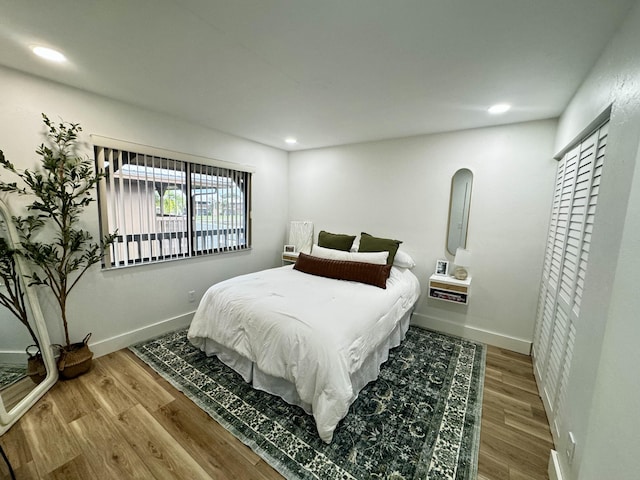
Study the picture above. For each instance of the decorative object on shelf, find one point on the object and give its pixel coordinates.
(442, 267)
(462, 261)
(449, 289)
(289, 249)
(62, 187)
(301, 236)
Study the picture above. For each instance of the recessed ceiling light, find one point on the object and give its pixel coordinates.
(49, 54)
(499, 108)
(291, 140)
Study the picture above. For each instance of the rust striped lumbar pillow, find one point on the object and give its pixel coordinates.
(368, 273)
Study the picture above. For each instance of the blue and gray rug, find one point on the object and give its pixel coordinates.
(420, 419)
(10, 374)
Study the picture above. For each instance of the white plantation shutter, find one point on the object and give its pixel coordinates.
(588, 220)
(561, 395)
(564, 270)
(546, 302)
(554, 257)
(556, 353)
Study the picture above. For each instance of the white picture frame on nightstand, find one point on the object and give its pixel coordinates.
(442, 267)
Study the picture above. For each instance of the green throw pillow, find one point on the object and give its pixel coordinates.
(369, 243)
(337, 241)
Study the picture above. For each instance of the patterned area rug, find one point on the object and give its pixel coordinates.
(9, 374)
(420, 419)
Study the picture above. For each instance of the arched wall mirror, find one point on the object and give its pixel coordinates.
(25, 375)
(459, 206)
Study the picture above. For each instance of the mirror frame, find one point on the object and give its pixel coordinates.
(466, 207)
(8, 418)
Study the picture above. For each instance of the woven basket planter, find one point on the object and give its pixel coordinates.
(36, 369)
(75, 359)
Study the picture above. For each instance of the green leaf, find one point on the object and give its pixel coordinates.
(61, 188)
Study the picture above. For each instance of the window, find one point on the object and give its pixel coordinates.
(164, 207)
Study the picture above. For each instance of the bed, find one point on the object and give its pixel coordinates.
(313, 341)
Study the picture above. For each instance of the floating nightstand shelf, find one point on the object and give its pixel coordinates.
(450, 289)
(289, 257)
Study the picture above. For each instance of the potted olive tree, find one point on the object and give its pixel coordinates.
(51, 240)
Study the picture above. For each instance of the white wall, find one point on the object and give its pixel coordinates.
(112, 304)
(400, 188)
(14, 339)
(604, 391)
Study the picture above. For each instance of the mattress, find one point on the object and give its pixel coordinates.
(312, 340)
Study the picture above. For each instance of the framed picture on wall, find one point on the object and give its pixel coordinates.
(289, 249)
(442, 267)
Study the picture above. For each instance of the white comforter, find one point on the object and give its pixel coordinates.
(309, 330)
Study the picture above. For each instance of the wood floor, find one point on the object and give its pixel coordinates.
(15, 392)
(123, 421)
(515, 440)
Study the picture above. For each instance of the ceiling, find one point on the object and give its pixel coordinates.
(327, 72)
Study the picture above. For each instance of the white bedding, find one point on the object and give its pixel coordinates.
(312, 331)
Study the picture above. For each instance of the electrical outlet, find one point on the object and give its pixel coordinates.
(571, 447)
(191, 295)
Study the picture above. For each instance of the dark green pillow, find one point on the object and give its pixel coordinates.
(369, 243)
(337, 241)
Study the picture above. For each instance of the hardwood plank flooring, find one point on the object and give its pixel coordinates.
(515, 440)
(12, 394)
(122, 420)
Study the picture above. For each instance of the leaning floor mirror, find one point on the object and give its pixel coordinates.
(27, 364)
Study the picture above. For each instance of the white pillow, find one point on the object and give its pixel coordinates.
(377, 258)
(403, 259)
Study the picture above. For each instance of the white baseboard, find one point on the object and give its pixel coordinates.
(471, 333)
(11, 357)
(555, 470)
(124, 340)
